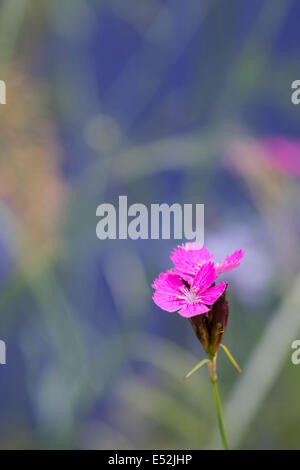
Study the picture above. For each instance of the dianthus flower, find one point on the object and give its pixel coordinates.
(190, 289)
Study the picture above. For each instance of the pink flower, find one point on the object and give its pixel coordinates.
(173, 293)
(274, 154)
(188, 259)
(283, 154)
(190, 290)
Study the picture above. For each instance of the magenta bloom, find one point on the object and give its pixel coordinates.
(190, 290)
(189, 258)
(173, 293)
(284, 154)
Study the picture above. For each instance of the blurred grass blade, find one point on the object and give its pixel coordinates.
(200, 364)
(232, 358)
(164, 409)
(263, 368)
(11, 16)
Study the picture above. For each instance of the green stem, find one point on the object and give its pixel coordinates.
(220, 418)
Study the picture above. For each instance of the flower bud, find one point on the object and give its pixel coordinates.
(210, 327)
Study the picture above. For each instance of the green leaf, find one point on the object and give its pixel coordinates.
(231, 358)
(200, 364)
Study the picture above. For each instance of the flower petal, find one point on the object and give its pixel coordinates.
(167, 302)
(168, 282)
(188, 261)
(167, 290)
(211, 295)
(230, 262)
(205, 277)
(192, 309)
(192, 246)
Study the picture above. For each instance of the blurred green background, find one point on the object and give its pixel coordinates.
(163, 101)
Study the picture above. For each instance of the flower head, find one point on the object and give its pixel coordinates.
(189, 289)
(189, 258)
(283, 154)
(173, 293)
